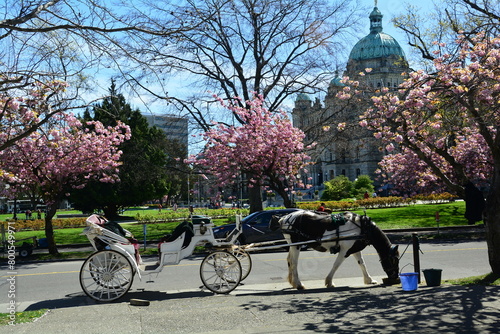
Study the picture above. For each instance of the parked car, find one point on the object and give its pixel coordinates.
(255, 227)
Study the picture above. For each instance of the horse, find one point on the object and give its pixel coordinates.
(343, 233)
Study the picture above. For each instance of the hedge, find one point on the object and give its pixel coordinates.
(377, 202)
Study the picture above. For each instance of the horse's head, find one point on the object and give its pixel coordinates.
(390, 263)
(389, 254)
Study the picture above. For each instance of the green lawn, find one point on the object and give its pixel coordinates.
(422, 215)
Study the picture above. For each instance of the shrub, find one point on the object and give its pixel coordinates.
(370, 203)
(170, 215)
(362, 184)
(435, 198)
(336, 189)
(39, 224)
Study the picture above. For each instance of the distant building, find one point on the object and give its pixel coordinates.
(356, 152)
(176, 128)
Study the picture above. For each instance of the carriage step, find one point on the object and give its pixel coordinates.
(151, 267)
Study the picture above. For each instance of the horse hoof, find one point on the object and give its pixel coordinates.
(330, 286)
(301, 287)
(391, 281)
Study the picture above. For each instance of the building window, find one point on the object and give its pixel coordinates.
(343, 172)
(358, 172)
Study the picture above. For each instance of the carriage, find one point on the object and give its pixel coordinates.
(108, 274)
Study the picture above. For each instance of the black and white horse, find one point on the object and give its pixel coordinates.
(343, 233)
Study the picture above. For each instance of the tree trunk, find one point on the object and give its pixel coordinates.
(287, 202)
(49, 229)
(492, 224)
(255, 198)
(111, 211)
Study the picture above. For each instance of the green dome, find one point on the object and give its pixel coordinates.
(337, 82)
(303, 97)
(377, 43)
(375, 46)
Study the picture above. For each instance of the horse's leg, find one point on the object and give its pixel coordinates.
(293, 261)
(338, 261)
(367, 278)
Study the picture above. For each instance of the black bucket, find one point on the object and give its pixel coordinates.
(432, 277)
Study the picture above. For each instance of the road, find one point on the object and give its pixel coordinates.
(50, 284)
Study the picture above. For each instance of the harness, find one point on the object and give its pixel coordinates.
(337, 220)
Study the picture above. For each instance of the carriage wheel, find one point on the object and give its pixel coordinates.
(220, 272)
(106, 275)
(245, 261)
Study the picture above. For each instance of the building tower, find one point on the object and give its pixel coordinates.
(354, 152)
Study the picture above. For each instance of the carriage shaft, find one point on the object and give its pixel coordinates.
(262, 245)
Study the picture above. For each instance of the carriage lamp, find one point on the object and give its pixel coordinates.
(203, 228)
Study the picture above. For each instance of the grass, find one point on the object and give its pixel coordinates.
(21, 317)
(421, 215)
(487, 279)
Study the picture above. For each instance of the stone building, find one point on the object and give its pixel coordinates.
(354, 151)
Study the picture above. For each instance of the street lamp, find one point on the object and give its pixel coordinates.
(7, 186)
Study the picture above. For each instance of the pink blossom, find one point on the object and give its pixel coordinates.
(441, 121)
(266, 146)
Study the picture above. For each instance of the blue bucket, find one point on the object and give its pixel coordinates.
(409, 281)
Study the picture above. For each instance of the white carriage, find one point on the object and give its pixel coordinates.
(108, 274)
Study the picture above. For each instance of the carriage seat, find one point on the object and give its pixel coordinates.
(184, 227)
(113, 233)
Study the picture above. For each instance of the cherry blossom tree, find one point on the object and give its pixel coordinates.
(266, 148)
(58, 156)
(443, 128)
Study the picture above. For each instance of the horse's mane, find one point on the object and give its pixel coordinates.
(375, 236)
(384, 248)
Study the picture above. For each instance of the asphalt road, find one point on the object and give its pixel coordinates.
(49, 284)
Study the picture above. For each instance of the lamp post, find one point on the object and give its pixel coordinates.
(189, 190)
(14, 211)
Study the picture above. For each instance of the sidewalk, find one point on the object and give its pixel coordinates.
(275, 308)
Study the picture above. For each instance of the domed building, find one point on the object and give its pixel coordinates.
(355, 151)
(380, 52)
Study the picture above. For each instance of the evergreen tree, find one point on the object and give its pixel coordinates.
(144, 173)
